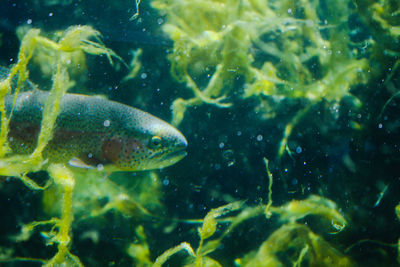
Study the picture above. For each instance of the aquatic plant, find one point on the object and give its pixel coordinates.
(295, 244)
(208, 229)
(383, 19)
(229, 50)
(308, 246)
(76, 38)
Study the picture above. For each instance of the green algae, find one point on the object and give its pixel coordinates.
(304, 57)
(74, 39)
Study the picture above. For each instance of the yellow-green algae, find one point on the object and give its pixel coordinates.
(303, 244)
(216, 38)
(300, 55)
(76, 38)
(308, 247)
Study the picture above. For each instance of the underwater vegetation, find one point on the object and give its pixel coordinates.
(311, 85)
(74, 39)
(278, 49)
(284, 49)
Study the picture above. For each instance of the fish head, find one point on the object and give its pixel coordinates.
(154, 144)
(165, 145)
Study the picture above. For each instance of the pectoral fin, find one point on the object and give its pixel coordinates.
(76, 162)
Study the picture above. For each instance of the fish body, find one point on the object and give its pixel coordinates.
(97, 131)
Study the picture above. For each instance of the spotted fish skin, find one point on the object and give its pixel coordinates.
(96, 131)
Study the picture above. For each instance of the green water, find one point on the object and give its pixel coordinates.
(312, 86)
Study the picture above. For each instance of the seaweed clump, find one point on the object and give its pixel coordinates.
(309, 248)
(292, 244)
(75, 39)
(280, 49)
(272, 52)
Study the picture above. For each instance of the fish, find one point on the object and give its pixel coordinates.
(94, 131)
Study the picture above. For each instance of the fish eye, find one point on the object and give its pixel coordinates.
(155, 141)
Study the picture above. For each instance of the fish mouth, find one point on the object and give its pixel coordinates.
(175, 155)
(178, 153)
(160, 161)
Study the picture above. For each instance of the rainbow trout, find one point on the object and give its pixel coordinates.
(94, 130)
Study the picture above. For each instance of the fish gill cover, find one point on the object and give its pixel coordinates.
(310, 85)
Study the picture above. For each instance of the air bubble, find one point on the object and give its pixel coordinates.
(100, 167)
(229, 157)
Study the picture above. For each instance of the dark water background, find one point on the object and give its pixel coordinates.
(226, 146)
